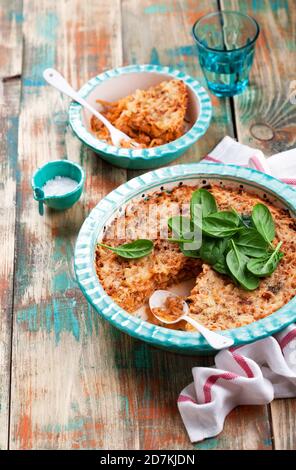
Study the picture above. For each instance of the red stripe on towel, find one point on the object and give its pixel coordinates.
(287, 339)
(184, 398)
(207, 389)
(257, 164)
(243, 364)
(212, 159)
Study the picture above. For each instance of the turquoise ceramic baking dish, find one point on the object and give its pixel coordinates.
(163, 179)
(120, 82)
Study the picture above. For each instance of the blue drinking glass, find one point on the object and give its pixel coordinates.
(226, 45)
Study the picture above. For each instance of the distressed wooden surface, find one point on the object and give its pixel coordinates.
(10, 70)
(76, 382)
(265, 117)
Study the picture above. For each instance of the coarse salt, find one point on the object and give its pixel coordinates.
(59, 186)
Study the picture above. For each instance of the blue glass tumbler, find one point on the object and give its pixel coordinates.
(226, 45)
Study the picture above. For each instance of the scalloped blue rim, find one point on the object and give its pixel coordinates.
(197, 130)
(162, 337)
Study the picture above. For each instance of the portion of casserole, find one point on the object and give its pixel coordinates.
(215, 300)
(150, 117)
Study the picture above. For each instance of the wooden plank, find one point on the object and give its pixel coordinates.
(283, 422)
(10, 58)
(11, 17)
(66, 391)
(266, 117)
(165, 38)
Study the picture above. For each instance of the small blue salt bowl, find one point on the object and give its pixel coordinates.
(48, 172)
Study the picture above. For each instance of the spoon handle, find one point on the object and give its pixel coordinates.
(214, 339)
(54, 78)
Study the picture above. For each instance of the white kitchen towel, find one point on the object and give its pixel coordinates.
(253, 374)
(281, 165)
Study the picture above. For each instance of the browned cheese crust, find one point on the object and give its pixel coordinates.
(215, 300)
(151, 117)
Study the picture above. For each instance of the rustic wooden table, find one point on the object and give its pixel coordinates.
(68, 380)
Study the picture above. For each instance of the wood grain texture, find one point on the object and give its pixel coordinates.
(283, 414)
(10, 66)
(65, 390)
(11, 17)
(265, 117)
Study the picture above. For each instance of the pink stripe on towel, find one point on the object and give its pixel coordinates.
(257, 164)
(288, 338)
(243, 364)
(184, 398)
(207, 389)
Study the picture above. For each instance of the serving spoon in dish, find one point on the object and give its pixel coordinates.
(55, 79)
(158, 300)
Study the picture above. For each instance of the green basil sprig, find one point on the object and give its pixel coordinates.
(133, 250)
(237, 265)
(237, 245)
(266, 265)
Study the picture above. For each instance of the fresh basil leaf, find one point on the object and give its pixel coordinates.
(221, 224)
(247, 220)
(251, 243)
(221, 266)
(212, 249)
(180, 240)
(237, 265)
(135, 249)
(266, 265)
(205, 199)
(263, 221)
(180, 225)
(189, 253)
(244, 219)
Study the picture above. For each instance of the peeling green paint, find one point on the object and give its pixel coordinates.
(142, 356)
(154, 57)
(158, 8)
(187, 51)
(46, 26)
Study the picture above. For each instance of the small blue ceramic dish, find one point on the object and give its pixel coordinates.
(160, 180)
(117, 83)
(50, 171)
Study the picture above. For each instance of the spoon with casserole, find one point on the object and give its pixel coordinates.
(169, 308)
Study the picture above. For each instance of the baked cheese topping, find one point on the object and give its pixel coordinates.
(215, 300)
(151, 117)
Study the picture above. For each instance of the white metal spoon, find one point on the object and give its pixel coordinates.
(54, 78)
(158, 300)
